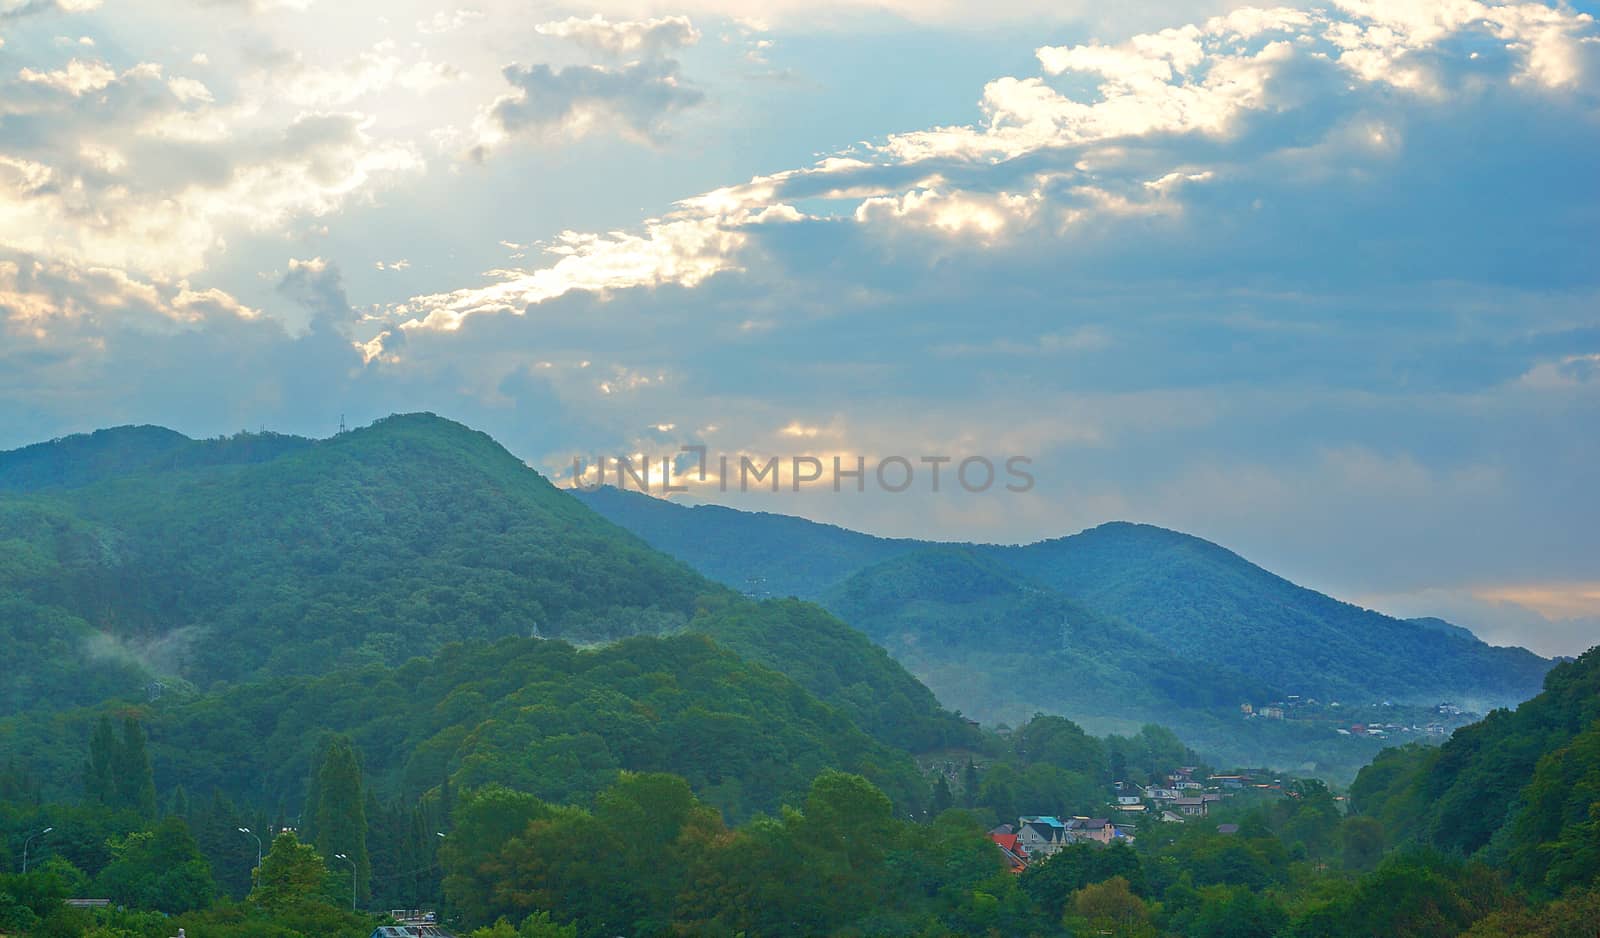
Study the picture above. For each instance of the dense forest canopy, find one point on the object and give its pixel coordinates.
(411, 674)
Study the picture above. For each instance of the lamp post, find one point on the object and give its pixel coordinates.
(246, 830)
(345, 858)
(25, 844)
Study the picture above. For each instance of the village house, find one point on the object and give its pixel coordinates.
(1041, 836)
(1011, 848)
(1097, 830)
(1196, 807)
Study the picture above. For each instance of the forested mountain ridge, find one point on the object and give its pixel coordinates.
(1520, 789)
(1196, 599)
(975, 631)
(1207, 603)
(539, 716)
(136, 553)
(86, 458)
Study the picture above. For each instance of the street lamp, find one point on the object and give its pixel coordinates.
(25, 844)
(246, 830)
(340, 856)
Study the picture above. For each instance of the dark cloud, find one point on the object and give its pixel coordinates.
(636, 99)
(318, 287)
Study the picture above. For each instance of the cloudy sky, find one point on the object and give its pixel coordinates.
(1319, 283)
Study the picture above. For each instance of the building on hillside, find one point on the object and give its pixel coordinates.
(1090, 830)
(1272, 713)
(1196, 807)
(1041, 835)
(1128, 799)
(1016, 855)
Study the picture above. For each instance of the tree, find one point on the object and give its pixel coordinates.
(1110, 908)
(341, 811)
(291, 872)
(943, 800)
(133, 780)
(99, 782)
(1361, 842)
(160, 869)
(483, 823)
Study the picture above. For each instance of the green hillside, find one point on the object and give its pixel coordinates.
(1520, 788)
(1198, 601)
(539, 716)
(1006, 648)
(1207, 603)
(138, 554)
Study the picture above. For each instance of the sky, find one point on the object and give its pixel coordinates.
(1319, 283)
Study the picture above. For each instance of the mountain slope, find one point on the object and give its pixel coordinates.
(539, 716)
(1197, 600)
(1520, 788)
(1207, 603)
(142, 553)
(976, 632)
(789, 556)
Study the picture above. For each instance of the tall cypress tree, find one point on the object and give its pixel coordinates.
(341, 811)
(969, 786)
(99, 778)
(307, 828)
(134, 782)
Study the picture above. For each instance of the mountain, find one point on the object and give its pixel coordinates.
(1208, 603)
(977, 632)
(539, 716)
(1123, 622)
(1440, 625)
(137, 553)
(1520, 789)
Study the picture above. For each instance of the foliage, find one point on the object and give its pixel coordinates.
(290, 873)
(649, 859)
(1116, 624)
(1519, 789)
(340, 811)
(161, 869)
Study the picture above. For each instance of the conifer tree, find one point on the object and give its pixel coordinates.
(99, 783)
(969, 786)
(133, 780)
(341, 811)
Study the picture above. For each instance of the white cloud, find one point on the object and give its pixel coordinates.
(446, 21)
(678, 252)
(374, 71)
(627, 39)
(135, 171)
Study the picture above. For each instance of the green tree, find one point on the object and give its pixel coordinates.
(1109, 908)
(341, 812)
(1361, 843)
(291, 872)
(99, 782)
(161, 869)
(134, 781)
